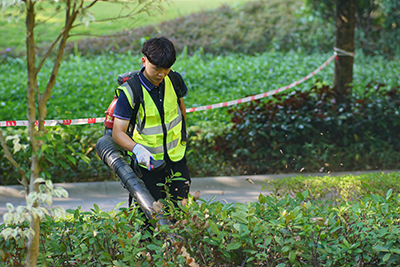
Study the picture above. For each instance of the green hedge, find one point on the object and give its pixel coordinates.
(308, 131)
(85, 87)
(275, 231)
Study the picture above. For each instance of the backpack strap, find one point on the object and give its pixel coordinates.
(136, 87)
(177, 84)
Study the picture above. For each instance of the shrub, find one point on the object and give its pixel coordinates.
(275, 231)
(308, 131)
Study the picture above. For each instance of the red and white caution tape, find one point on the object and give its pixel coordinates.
(259, 96)
(219, 105)
(54, 122)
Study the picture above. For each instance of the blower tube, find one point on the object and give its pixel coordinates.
(110, 153)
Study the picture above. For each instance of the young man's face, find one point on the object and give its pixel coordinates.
(153, 73)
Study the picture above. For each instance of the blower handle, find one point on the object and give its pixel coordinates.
(156, 165)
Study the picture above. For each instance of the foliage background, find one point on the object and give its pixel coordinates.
(319, 221)
(229, 53)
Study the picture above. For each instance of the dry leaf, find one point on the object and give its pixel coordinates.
(184, 202)
(196, 195)
(148, 256)
(250, 181)
(189, 260)
(157, 206)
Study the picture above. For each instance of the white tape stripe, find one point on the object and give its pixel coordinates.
(54, 122)
(219, 105)
(259, 96)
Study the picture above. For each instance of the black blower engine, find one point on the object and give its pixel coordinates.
(111, 154)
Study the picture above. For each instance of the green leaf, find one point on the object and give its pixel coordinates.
(96, 207)
(389, 193)
(214, 227)
(386, 257)
(366, 185)
(292, 256)
(178, 179)
(76, 214)
(84, 158)
(286, 248)
(44, 147)
(346, 243)
(233, 246)
(250, 259)
(279, 240)
(106, 255)
(83, 248)
(239, 217)
(211, 241)
(71, 159)
(395, 250)
(268, 240)
(300, 196)
(380, 248)
(71, 148)
(119, 205)
(153, 247)
(261, 199)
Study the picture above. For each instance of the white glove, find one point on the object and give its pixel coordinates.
(142, 155)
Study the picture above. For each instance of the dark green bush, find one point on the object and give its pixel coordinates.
(69, 155)
(308, 131)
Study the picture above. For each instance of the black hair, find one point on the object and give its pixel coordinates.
(160, 52)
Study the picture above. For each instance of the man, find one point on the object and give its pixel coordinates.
(160, 131)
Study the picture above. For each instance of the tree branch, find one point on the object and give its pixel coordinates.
(135, 11)
(102, 36)
(91, 4)
(9, 157)
(48, 52)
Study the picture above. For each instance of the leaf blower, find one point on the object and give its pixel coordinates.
(112, 155)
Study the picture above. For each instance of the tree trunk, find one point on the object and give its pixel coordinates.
(345, 27)
(33, 241)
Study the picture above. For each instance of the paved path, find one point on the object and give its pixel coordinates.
(108, 194)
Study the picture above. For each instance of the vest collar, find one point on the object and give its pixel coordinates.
(146, 83)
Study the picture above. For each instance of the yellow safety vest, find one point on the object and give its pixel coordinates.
(152, 135)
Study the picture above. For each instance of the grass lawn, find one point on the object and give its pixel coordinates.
(13, 34)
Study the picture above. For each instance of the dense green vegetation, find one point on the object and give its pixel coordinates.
(85, 87)
(356, 226)
(230, 53)
(224, 64)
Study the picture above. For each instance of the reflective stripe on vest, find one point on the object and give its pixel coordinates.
(128, 92)
(152, 135)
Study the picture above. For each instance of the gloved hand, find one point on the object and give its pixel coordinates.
(142, 156)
